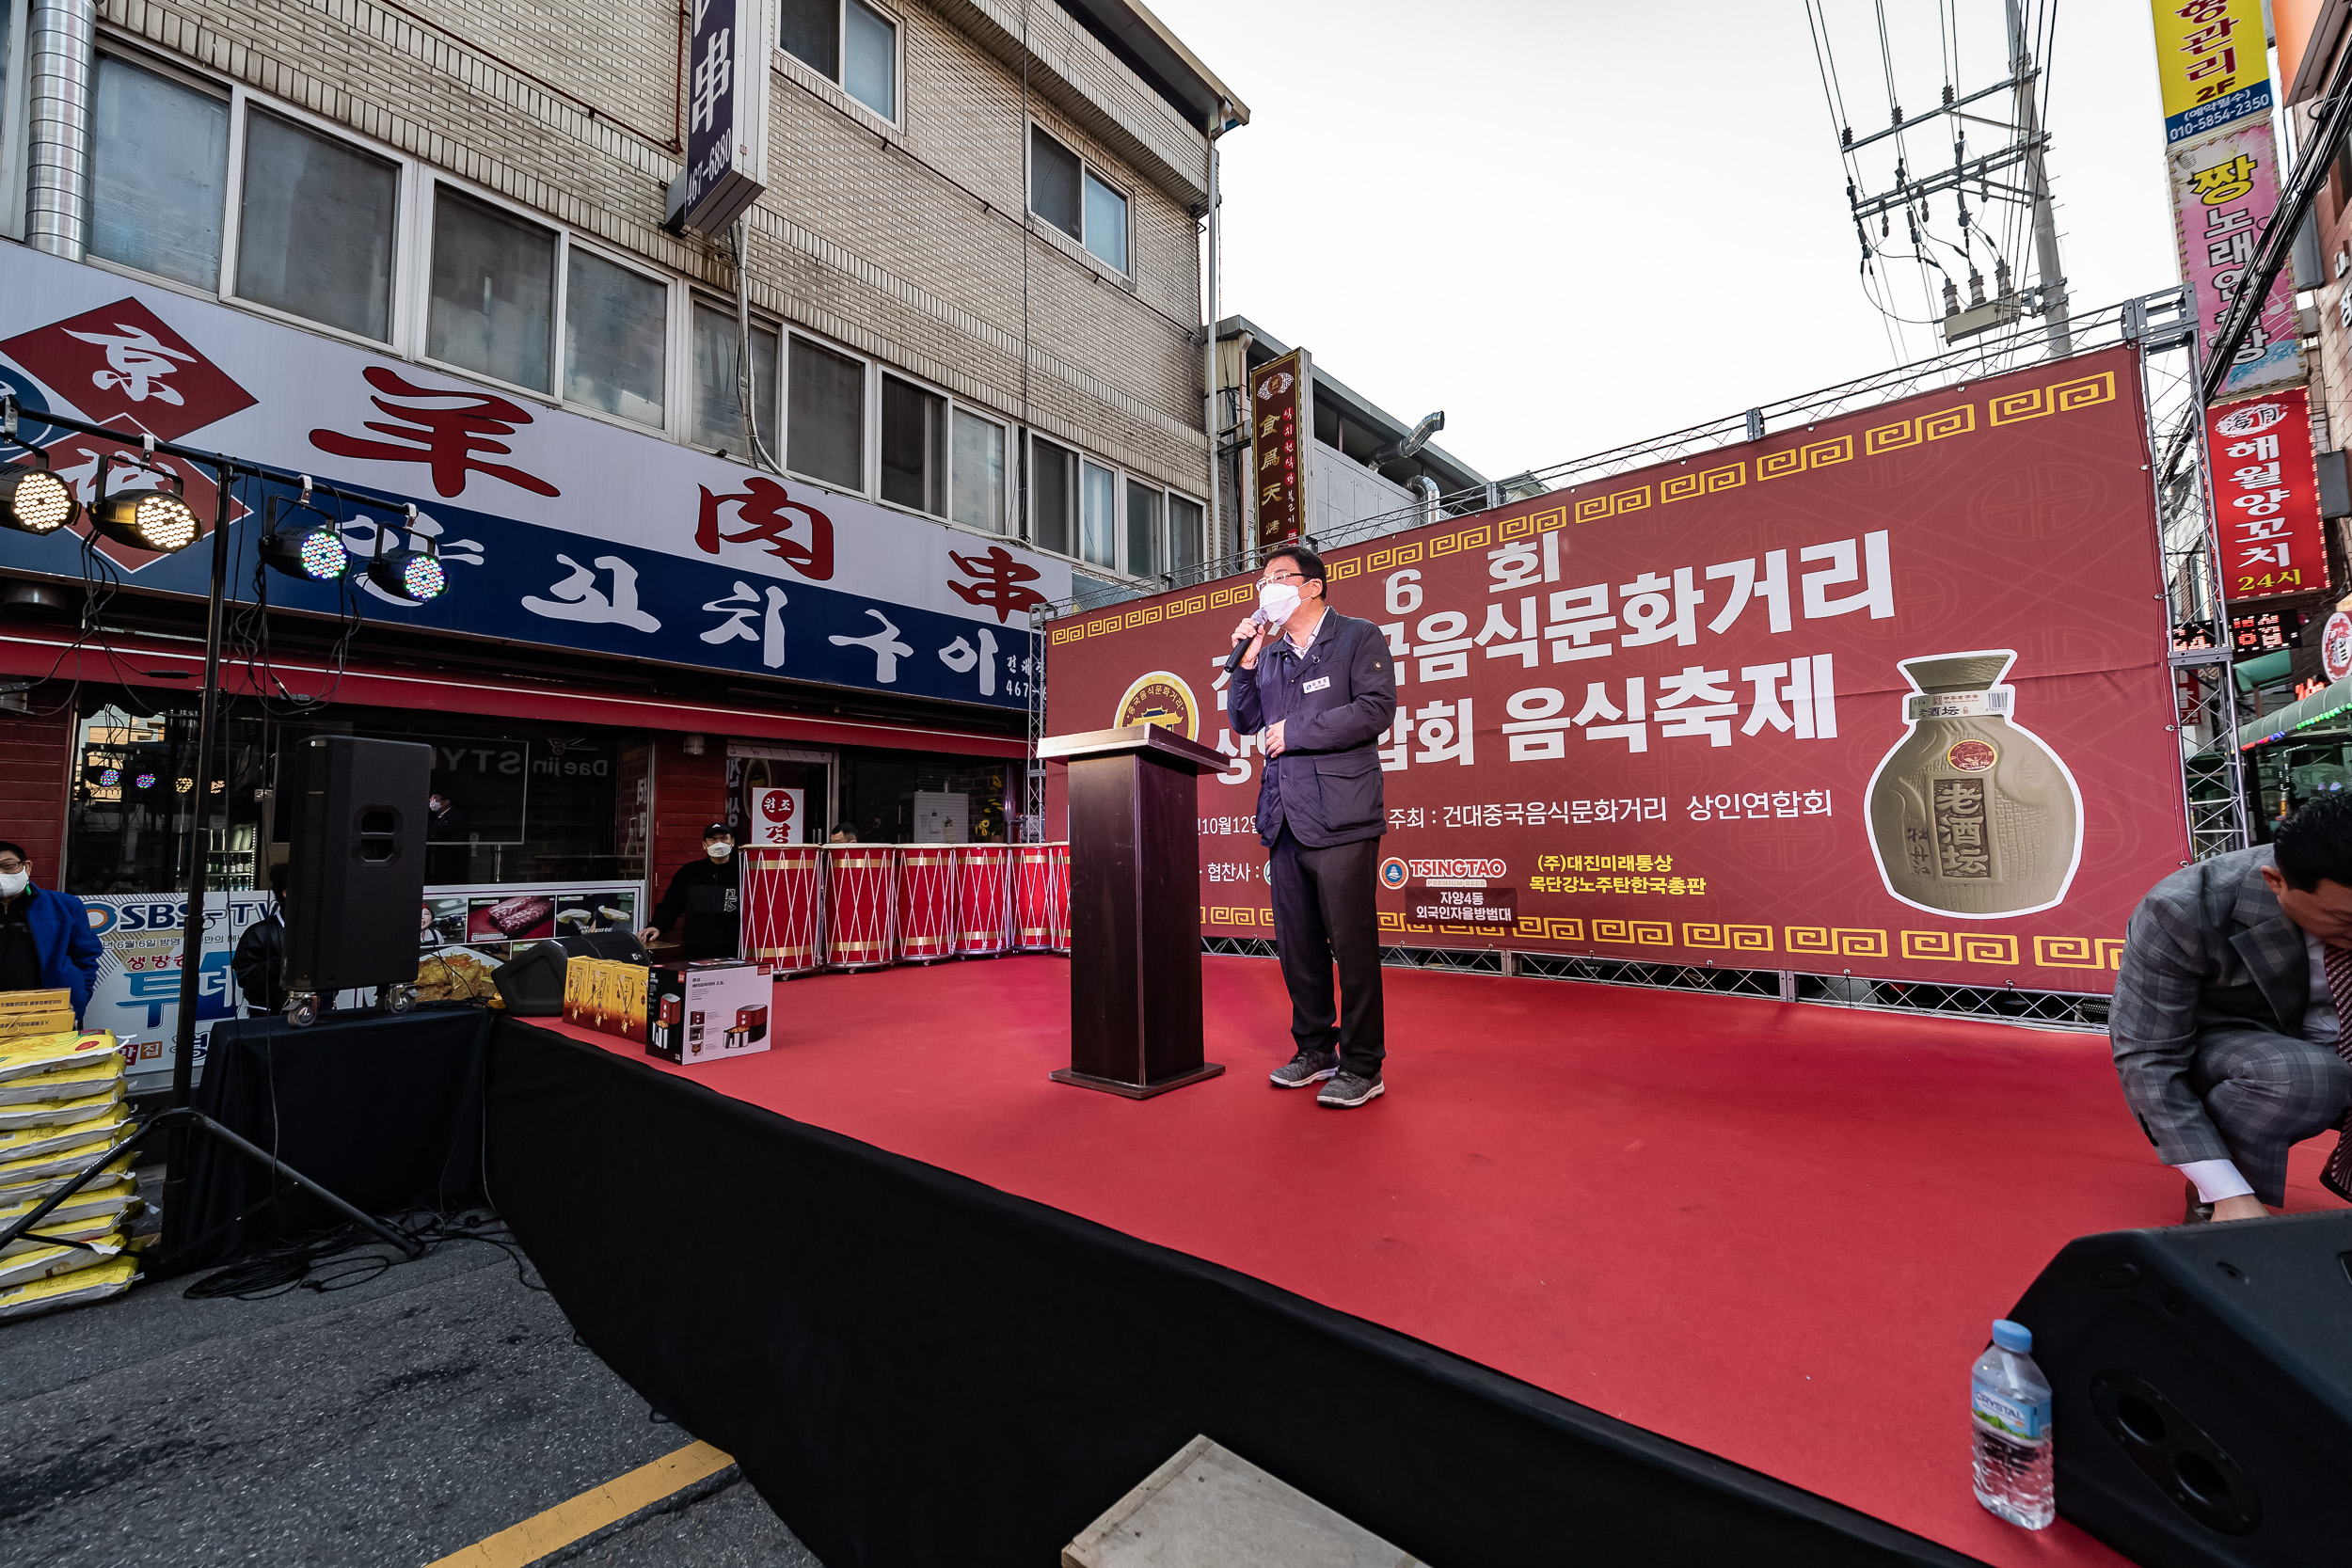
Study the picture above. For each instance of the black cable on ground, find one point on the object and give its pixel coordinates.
(303, 1263)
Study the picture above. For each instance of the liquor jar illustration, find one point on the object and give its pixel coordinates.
(1971, 813)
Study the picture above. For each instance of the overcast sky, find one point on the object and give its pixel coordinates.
(1571, 224)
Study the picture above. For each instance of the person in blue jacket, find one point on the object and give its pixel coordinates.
(46, 942)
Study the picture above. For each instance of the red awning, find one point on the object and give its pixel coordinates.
(135, 662)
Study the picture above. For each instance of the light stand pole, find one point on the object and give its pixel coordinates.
(194, 919)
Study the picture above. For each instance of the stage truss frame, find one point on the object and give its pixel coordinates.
(2162, 328)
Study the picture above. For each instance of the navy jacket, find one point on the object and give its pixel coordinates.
(1334, 704)
(68, 949)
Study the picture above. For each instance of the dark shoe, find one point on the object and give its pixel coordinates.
(1303, 1070)
(1346, 1090)
(2199, 1212)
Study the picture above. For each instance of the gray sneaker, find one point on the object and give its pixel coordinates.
(1346, 1090)
(1303, 1071)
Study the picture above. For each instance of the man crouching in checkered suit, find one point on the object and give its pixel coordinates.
(2230, 1013)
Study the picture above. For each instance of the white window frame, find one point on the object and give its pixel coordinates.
(420, 293)
(954, 405)
(840, 79)
(1120, 478)
(16, 116)
(870, 416)
(1085, 166)
(684, 362)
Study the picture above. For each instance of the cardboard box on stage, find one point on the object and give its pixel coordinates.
(706, 1011)
(35, 1012)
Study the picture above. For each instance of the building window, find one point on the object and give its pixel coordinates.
(159, 171)
(1098, 514)
(1072, 196)
(979, 472)
(493, 292)
(1183, 532)
(1107, 223)
(615, 330)
(1053, 496)
(718, 397)
(1146, 556)
(914, 447)
(825, 437)
(314, 230)
(846, 41)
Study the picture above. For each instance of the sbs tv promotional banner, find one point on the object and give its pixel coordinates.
(1883, 695)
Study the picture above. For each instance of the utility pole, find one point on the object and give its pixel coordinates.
(2020, 68)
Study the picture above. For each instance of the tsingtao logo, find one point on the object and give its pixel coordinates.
(1161, 698)
(1394, 873)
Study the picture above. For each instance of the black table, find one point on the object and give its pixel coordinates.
(384, 1112)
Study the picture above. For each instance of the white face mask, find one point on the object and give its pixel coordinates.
(720, 850)
(1277, 600)
(14, 882)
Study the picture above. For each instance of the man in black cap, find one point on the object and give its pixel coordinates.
(709, 894)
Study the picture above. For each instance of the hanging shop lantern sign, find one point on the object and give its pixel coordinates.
(1282, 434)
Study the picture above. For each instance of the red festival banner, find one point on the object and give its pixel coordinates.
(1885, 695)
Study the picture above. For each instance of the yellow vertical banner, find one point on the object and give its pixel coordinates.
(2212, 62)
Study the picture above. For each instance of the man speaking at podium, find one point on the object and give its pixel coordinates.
(1318, 696)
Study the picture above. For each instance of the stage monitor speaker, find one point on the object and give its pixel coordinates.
(355, 880)
(2201, 1388)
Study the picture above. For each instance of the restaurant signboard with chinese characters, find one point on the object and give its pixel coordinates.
(554, 528)
(726, 112)
(1281, 431)
(2213, 64)
(2265, 494)
(2225, 187)
(1845, 700)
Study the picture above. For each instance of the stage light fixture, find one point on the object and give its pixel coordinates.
(311, 551)
(412, 574)
(145, 780)
(157, 520)
(34, 500)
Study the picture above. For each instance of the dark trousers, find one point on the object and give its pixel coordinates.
(1324, 916)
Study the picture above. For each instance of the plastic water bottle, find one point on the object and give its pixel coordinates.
(2011, 1415)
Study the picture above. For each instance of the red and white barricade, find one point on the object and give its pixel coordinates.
(1041, 898)
(861, 905)
(784, 909)
(983, 898)
(927, 903)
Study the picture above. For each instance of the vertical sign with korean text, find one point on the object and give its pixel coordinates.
(726, 121)
(2225, 187)
(1281, 423)
(2266, 492)
(2213, 63)
(1844, 700)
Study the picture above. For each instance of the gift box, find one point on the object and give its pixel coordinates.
(708, 1011)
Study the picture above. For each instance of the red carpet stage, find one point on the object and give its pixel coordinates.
(1775, 1233)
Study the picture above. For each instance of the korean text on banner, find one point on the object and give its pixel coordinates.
(2225, 187)
(1281, 431)
(1841, 700)
(2212, 62)
(2266, 492)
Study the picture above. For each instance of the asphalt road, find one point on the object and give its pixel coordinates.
(389, 1424)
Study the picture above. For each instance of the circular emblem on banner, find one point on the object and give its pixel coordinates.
(2335, 646)
(1393, 873)
(1161, 698)
(2251, 419)
(1971, 756)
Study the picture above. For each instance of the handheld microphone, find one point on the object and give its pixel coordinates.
(1257, 618)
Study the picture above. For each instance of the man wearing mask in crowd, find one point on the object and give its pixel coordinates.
(46, 942)
(1315, 687)
(708, 893)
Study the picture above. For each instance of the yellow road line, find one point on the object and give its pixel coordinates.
(594, 1509)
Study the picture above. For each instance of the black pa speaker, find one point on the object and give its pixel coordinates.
(355, 877)
(2200, 1383)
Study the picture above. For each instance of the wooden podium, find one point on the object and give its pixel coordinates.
(1134, 900)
